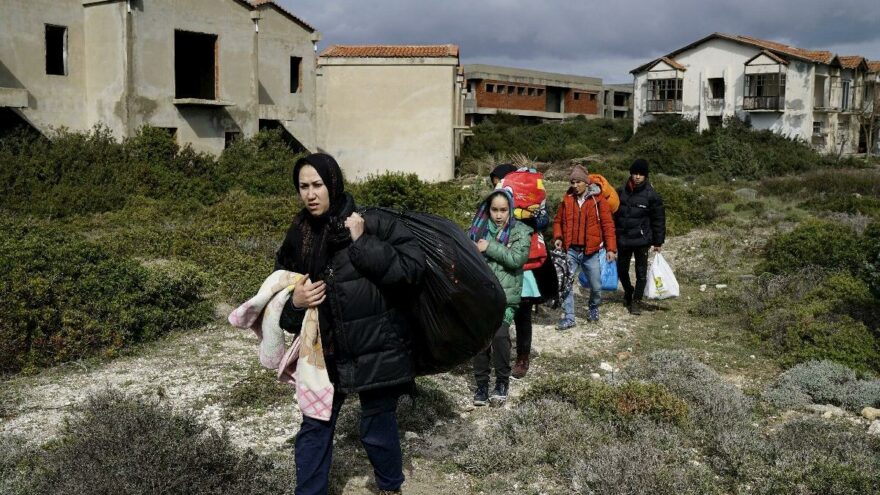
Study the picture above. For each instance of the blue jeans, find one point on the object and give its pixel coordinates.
(313, 449)
(590, 265)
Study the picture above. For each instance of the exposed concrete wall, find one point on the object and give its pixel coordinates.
(280, 39)
(106, 66)
(154, 25)
(379, 115)
(53, 101)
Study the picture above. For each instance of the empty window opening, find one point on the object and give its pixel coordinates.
(195, 65)
(490, 88)
(577, 96)
(592, 96)
(540, 91)
(231, 137)
(295, 77)
(511, 89)
(520, 91)
(845, 93)
(817, 128)
(716, 88)
(531, 91)
(56, 50)
(819, 91)
(621, 99)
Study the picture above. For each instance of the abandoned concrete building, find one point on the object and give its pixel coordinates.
(394, 108)
(529, 94)
(208, 71)
(811, 95)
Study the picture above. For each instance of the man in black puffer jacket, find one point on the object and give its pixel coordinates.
(640, 223)
(361, 270)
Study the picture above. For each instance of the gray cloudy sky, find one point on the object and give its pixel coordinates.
(591, 38)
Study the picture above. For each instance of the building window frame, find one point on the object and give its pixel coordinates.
(56, 47)
(295, 74)
(665, 95)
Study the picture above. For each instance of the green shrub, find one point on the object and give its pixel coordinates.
(261, 165)
(65, 298)
(119, 444)
(653, 460)
(823, 382)
(814, 243)
(871, 273)
(602, 401)
(686, 207)
(259, 389)
(712, 402)
(818, 457)
(811, 315)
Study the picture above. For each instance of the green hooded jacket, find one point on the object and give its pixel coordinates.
(507, 261)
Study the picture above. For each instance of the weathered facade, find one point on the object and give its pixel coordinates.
(618, 101)
(208, 71)
(530, 94)
(391, 109)
(810, 95)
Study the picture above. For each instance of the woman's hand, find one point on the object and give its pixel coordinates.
(610, 256)
(307, 294)
(657, 249)
(482, 245)
(355, 224)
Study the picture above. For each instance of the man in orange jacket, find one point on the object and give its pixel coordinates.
(582, 226)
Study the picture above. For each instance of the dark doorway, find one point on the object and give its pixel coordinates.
(11, 122)
(554, 99)
(863, 141)
(195, 65)
(715, 122)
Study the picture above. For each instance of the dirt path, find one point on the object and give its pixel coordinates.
(193, 370)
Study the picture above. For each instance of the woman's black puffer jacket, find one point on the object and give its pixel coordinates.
(641, 218)
(369, 283)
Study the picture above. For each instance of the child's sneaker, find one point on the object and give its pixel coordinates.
(499, 394)
(565, 324)
(481, 396)
(594, 312)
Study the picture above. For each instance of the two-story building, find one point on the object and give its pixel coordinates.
(530, 94)
(811, 95)
(208, 71)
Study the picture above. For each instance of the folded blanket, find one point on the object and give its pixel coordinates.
(302, 365)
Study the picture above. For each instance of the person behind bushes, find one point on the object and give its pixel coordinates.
(505, 244)
(522, 319)
(358, 268)
(640, 223)
(582, 225)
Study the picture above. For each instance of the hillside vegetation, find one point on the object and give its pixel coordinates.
(128, 254)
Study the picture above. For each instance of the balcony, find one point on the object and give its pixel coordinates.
(664, 106)
(763, 103)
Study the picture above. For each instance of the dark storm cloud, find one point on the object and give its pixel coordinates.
(605, 39)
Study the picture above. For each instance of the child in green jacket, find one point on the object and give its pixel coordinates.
(505, 244)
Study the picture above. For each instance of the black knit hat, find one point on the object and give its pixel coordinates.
(329, 171)
(640, 167)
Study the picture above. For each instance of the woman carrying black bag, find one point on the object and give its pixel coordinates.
(359, 270)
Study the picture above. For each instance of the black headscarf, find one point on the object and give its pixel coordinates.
(312, 239)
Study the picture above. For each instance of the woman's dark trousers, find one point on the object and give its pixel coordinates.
(623, 258)
(523, 321)
(379, 435)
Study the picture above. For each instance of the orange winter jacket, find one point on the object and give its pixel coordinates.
(589, 225)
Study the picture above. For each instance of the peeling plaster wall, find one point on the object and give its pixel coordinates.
(726, 59)
(280, 39)
(53, 101)
(154, 23)
(396, 115)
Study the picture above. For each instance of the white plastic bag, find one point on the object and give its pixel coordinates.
(661, 281)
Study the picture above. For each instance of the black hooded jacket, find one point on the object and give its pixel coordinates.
(641, 218)
(365, 331)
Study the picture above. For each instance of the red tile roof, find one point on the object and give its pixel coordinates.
(874, 66)
(260, 3)
(391, 51)
(821, 56)
(851, 61)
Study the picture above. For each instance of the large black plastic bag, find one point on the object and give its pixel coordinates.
(461, 303)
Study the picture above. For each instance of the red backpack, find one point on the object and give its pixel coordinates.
(527, 188)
